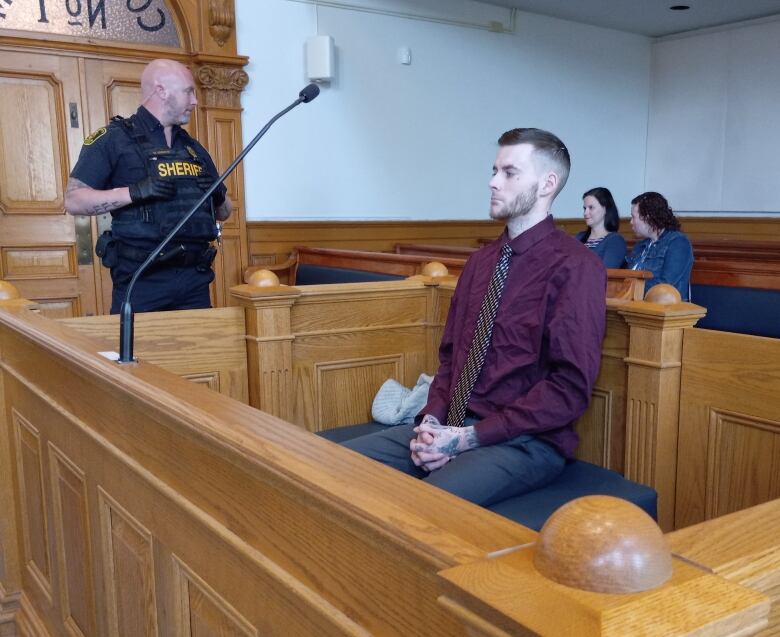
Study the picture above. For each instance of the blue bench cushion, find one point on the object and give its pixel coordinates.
(316, 274)
(579, 478)
(740, 310)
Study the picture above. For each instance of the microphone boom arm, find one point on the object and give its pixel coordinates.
(126, 312)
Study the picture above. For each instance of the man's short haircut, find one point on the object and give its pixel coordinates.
(550, 153)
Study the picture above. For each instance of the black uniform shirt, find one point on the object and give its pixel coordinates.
(111, 159)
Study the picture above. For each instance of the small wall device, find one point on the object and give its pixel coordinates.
(320, 58)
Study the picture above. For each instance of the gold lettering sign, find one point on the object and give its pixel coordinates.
(178, 169)
(143, 21)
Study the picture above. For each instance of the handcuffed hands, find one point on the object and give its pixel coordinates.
(152, 189)
(437, 444)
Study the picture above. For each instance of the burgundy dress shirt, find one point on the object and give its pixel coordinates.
(545, 350)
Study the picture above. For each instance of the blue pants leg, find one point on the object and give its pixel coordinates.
(485, 475)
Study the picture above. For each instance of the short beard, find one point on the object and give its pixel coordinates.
(177, 117)
(520, 206)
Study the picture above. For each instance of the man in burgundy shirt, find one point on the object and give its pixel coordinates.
(544, 351)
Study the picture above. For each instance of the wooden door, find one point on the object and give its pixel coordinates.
(111, 88)
(41, 131)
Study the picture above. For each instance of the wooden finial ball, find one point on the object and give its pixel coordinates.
(435, 269)
(664, 294)
(8, 291)
(263, 279)
(603, 544)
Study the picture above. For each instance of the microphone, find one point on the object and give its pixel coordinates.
(309, 93)
(126, 316)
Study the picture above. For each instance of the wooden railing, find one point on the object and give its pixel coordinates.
(748, 264)
(621, 284)
(136, 502)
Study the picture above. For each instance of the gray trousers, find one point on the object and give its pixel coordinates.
(484, 475)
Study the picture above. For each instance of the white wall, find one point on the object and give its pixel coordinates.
(714, 125)
(388, 141)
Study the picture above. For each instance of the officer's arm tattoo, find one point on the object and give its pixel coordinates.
(93, 207)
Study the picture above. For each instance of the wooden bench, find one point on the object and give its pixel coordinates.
(738, 281)
(329, 265)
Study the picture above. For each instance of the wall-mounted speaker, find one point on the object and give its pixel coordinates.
(320, 59)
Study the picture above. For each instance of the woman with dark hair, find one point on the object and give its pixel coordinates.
(601, 216)
(662, 249)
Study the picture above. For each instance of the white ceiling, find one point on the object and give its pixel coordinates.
(649, 17)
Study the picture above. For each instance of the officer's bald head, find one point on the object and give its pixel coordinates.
(161, 73)
(168, 91)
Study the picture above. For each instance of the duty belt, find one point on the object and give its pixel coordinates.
(177, 255)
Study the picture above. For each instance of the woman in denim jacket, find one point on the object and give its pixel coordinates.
(601, 217)
(662, 250)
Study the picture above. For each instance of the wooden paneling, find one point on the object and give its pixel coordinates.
(51, 262)
(71, 525)
(59, 308)
(38, 144)
(207, 515)
(386, 263)
(221, 131)
(728, 252)
(34, 157)
(229, 261)
(743, 547)
(205, 346)
(260, 544)
(653, 396)
(122, 96)
(272, 241)
(595, 429)
(32, 502)
(203, 610)
(128, 571)
(355, 338)
(743, 462)
(352, 378)
(729, 424)
(224, 136)
(748, 264)
(621, 284)
(704, 229)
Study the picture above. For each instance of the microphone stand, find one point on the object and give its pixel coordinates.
(126, 316)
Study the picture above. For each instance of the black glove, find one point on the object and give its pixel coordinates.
(204, 183)
(152, 189)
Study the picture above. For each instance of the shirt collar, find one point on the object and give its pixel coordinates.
(152, 124)
(530, 237)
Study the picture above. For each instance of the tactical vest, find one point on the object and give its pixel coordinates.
(141, 224)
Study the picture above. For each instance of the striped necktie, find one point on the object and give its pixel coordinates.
(479, 345)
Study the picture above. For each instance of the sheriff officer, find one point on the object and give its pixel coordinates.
(148, 172)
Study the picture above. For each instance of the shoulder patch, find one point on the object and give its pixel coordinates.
(95, 136)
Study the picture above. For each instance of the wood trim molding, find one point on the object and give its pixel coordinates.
(221, 86)
(222, 19)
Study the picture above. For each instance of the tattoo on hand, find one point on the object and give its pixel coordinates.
(452, 440)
